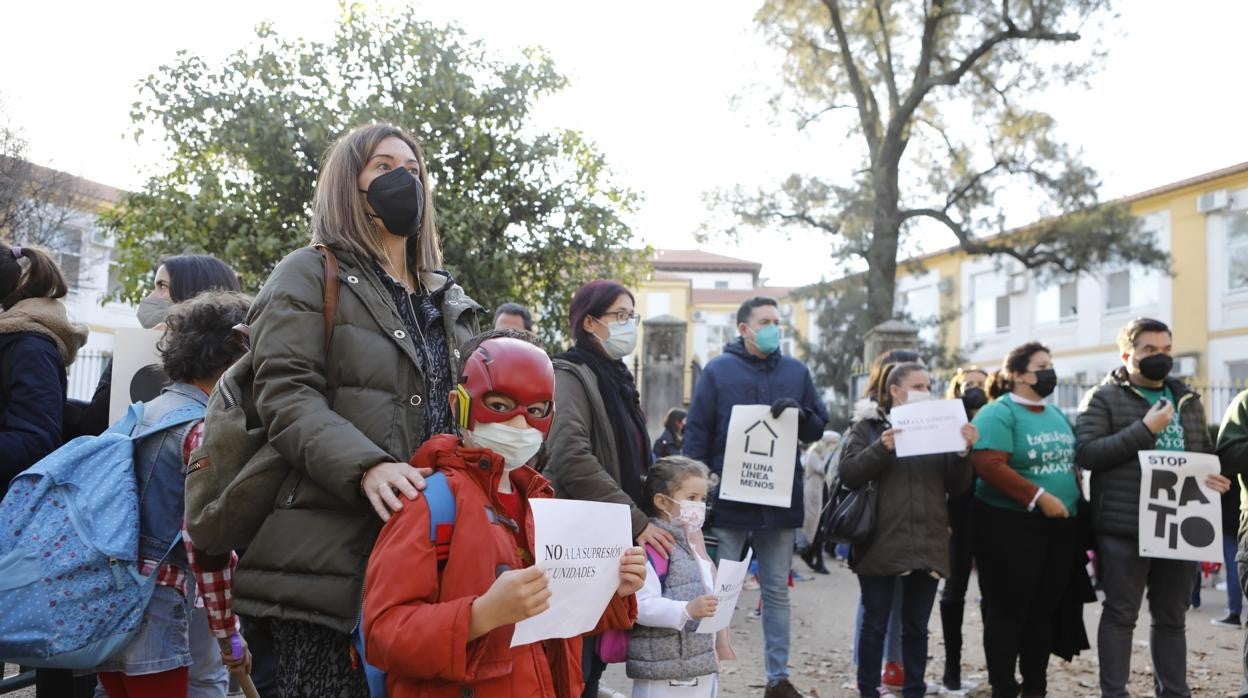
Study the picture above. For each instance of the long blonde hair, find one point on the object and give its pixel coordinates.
(339, 218)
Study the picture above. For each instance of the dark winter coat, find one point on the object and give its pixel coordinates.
(332, 418)
(668, 444)
(737, 377)
(912, 520)
(584, 462)
(1109, 434)
(37, 343)
(1233, 451)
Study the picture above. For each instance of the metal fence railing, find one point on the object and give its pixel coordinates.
(1215, 396)
(85, 373)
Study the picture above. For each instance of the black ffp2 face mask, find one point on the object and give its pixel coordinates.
(1046, 382)
(973, 399)
(398, 198)
(1156, 367)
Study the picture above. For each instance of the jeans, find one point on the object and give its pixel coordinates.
(1025, 561)
(773, 549)
(1234, 595)
(892, 636)
(161, 642)
(208, 676)
(1169, 583)
(918, 594)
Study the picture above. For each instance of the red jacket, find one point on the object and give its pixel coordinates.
(416, 626)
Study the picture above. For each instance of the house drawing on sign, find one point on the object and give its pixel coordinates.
(761, 442)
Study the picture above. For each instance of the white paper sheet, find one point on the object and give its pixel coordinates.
(579, 544)
(1180, 517)
(729, 579)
(930, 426)
(760, 456)
(137, 376)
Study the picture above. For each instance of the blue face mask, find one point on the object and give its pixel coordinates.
(767, 339)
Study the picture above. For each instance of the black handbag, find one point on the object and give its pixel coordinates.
(849, 516)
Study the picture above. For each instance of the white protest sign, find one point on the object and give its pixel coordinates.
(728, 583)
(137, 373)
(760, 456)
(1180, 517)
(579, 544)
(928, 426)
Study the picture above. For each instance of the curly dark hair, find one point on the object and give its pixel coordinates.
(199, 340)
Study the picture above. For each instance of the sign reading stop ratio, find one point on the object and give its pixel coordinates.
(1180, 517)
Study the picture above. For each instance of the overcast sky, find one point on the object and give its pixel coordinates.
(653, 83)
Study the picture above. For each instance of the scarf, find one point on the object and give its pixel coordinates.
(623, 403)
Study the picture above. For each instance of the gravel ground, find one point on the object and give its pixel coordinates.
(823, 626)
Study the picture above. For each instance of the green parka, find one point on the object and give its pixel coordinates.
(332, 418)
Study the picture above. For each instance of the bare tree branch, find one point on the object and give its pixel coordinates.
(887, 59)
(868, 108)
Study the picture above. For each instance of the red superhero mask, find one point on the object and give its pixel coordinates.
(514, 369)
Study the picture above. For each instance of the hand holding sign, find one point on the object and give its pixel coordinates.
(514, 596)
(728, 583)
(702, 607)
(632, 572)
(580, 546)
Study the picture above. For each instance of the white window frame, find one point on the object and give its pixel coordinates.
(1232, 245)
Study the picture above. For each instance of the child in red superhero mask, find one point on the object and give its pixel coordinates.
(439, 624)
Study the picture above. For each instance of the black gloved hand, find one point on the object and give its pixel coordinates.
(783, 404)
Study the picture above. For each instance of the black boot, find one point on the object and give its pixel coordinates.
(813, 557)
(951, 625)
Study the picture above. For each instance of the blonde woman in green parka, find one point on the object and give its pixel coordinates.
(348, 421)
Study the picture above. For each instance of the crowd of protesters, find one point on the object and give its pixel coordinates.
(370, 373)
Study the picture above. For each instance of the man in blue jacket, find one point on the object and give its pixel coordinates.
(751, 371)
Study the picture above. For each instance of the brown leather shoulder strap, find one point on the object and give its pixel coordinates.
(331, 292)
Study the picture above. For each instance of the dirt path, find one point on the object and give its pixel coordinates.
(823, 627)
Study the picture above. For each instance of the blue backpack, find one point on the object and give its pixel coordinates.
(441, 502)
(71, 594)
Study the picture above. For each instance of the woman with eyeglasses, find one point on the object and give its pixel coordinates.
(598, 444)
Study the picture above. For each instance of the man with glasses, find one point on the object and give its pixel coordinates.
(752, 371)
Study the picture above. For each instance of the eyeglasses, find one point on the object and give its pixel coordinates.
(622, 316)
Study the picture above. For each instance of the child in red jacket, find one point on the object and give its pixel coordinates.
(438, 628)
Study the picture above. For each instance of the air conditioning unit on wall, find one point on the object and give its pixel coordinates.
(1213, 201)
(1016, 284)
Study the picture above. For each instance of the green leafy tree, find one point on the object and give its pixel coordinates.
(936, 96)
(524, 215)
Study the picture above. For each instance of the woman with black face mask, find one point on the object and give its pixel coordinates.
(1023, 527)
(346, 409)
(968, 386)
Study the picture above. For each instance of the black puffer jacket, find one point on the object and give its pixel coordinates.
(1110, 433)
(912, 522)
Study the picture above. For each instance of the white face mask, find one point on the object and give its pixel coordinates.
(917, 396)
(692, 514)
(516, 446)
(623, 339)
